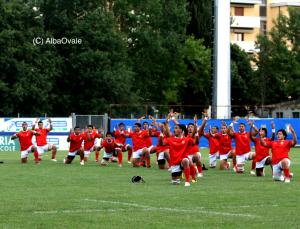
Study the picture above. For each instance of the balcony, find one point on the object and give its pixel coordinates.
(276, 3)
(245, 22)
(247, 46)
(248, 2)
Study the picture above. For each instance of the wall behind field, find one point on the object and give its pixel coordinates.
(279, 124)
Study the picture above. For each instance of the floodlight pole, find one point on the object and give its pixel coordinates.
(221, 107)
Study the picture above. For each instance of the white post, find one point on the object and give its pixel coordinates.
(222, 84)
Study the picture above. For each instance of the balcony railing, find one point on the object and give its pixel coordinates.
(245, 22)
(247, 46)
(246, 1)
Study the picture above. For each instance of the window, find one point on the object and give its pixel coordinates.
(263, 11)
(238, 11)
(296, 114)
(239, 37)
(279, 114)
(263, 27)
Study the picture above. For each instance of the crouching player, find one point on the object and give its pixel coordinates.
(262, 156)
(213, 146)
(41, 139)
(120, 136)
(89, 142)
(110, 146)
(280, 154)
(75, 138)
(179, 161)
(162, 151)
(25, 139)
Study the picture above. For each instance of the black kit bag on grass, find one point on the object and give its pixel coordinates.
(137, 179)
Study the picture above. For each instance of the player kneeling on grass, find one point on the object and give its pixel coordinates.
(25, 139)
(262, 156)
(110, 146)
(280, 154)
(89, 142)
(178, 153)
(214, 146)
(41, 139)
(75, 138)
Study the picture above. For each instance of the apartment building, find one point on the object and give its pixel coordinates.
(249, 18)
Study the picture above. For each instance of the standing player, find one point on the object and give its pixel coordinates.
(280, 154)
(262, 156)
(213, 146)
(242, 149)
(139, 145)
(120, 137)
(110, 146)
(41, 139)
(75, 138)
(89, 138)
(97, 143)
(179, 161)
(25, 139)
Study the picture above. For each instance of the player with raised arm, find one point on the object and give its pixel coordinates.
(178, 144)
(262, 155)
(110, 145)
(25, 139)
(280, 154)
(213, 145)
(89, 142)
(242, 149)
(75, 138)
(120, 137)
(41, 139)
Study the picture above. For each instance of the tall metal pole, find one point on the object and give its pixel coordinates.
(221, 64)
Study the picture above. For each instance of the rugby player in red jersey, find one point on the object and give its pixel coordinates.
(97, 142)
(262, 156)
(25, 139)
(140, 149)
(89, 142)
(120, 137)
(110, 146)
(75, 138)
(225, 147)
(41, 139)
(178, 144)
(242, 148)
(213, 146)
(280, 154)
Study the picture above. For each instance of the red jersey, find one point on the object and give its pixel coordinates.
(192, 147)
(280, 150)
(242, 143)
(109, 145)
(178, 148)
(214, 144)
(261, 151)
(76, 141)
(225, 143)
(88, 144)
(119, 136)
(160, 148)
(41, 139)
(25, 139)
(139, 139)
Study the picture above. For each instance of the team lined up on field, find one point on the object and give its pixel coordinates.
(178, 151)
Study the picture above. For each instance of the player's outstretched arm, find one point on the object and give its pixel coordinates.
(294, 140)
(69, 137)
(35, 123)
(15, 136)
(273, 131)
(50, 124)
(203, 124)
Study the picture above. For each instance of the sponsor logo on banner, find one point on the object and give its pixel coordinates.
(6, 144)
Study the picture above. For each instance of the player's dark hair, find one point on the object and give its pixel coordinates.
(283, 132)
(40, 122)
(24, 123)
(191, 124)
(109, 133)
(183, 128)
(146, 123)
(90, 126)
(265, 130)
(121, 124)
(138, 124)
(243, 124)
(76, 127)
(216, 127)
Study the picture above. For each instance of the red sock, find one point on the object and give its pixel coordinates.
(234, 161)
(129, 155)
(97, 155)
(187, 173)
(120, 158)
(253, 164)
(148, 163)
(199, 167)
(81, 157)
(193, 171)
(36, 156)
(286, 173)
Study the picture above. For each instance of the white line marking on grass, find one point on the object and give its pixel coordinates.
(76, 211)
(151, 208)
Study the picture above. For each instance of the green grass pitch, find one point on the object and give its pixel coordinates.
(54, 195)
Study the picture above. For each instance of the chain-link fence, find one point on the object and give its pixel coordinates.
(99, 121)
